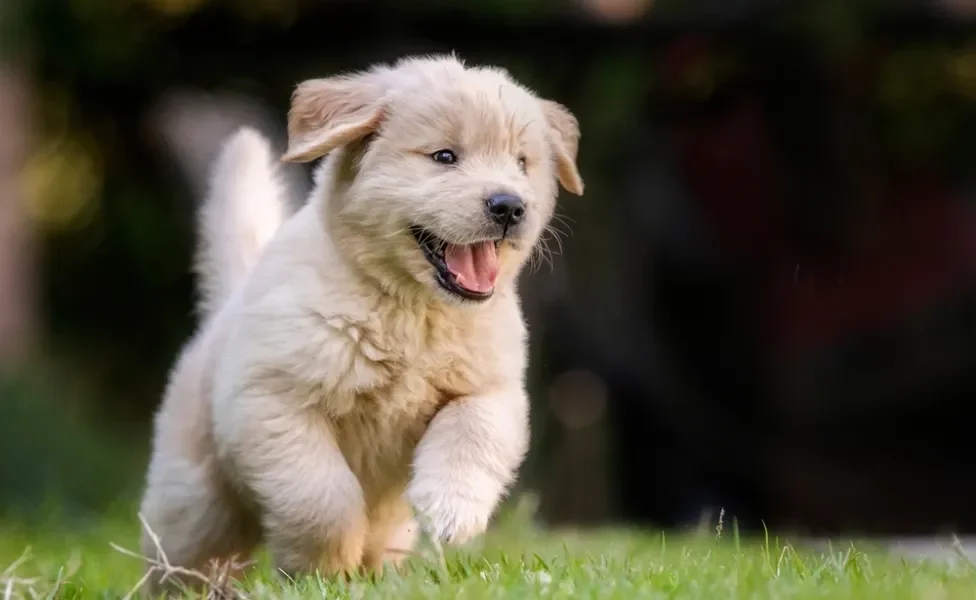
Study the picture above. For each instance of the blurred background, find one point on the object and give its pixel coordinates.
(765, 302)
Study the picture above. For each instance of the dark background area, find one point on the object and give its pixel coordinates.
(764, 303)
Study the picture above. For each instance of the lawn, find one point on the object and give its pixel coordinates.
(514, 560)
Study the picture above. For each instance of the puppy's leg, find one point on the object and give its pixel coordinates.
(466, 460)
(194, 517)
(314, 516)
(392, 533)
(402, 542)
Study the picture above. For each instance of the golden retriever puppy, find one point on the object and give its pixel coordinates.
(364, 357)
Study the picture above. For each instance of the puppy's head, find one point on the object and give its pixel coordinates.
(441, 175)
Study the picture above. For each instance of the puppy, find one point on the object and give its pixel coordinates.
(363, 357)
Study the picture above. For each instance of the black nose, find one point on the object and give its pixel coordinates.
(506, 209)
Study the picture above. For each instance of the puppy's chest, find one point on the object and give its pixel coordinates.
(385, 422)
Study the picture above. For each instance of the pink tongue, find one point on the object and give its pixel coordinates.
(475, 266)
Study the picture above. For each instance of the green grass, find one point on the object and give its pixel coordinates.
(517, 560)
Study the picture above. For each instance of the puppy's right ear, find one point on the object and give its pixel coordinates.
(326, 114)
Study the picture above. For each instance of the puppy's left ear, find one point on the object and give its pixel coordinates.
(565, 134)
(328, 113)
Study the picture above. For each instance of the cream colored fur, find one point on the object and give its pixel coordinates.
(333, 387)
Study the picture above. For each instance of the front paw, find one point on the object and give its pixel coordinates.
(451, 514)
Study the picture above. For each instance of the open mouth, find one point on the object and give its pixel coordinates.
(468, 271)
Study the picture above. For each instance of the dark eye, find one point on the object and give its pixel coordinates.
(445, 157)
(521, 164)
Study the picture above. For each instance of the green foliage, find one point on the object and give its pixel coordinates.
(11, 35)
(52, 450)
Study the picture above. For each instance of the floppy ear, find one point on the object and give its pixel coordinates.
(326, 114)
(565, 135)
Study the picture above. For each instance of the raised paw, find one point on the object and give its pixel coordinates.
(452, 515)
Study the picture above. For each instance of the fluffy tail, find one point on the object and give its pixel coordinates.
(242, 211)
